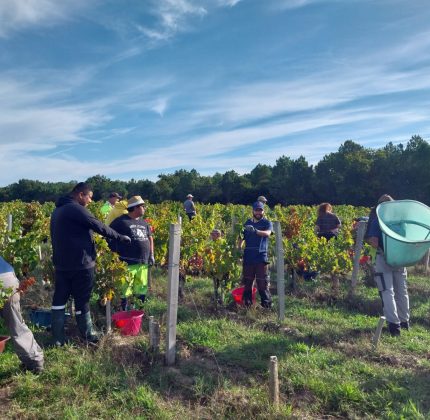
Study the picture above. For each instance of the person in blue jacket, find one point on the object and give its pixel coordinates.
(256, 233)
(391, 281)
(74, 256)
(26, 347)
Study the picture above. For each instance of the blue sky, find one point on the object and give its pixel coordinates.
(136, 88)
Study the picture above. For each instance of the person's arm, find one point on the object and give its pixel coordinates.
(266, 231)
(151, 245)
(263, 233)
(97, 226)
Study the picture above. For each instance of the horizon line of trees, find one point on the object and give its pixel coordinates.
(353, 175)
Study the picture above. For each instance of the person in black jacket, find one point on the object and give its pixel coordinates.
(74, 256)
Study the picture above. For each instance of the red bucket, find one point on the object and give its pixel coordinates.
(128, 322)
(238, 294)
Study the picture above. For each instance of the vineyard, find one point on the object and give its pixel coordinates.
(327, 365)
(25, 242)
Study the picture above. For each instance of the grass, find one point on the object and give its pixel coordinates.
(327, 366)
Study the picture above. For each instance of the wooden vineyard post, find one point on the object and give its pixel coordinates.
(378, 331)
(172, 292)
(274, 381)
(9, 223)
(108, 316)
(280, 275)
(357, 251)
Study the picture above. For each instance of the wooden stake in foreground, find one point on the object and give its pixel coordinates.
(154, 334)
(280, 275)
(274, 381)
(172, 292)
(108, 316)
(378, 331)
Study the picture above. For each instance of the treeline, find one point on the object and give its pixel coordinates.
(353, 175)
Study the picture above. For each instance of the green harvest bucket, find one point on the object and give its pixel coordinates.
(405, 226)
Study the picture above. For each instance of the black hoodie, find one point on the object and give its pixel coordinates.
(72, 227)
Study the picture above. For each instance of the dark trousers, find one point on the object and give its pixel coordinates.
(260, 273)
(76, 283)
(327, 235)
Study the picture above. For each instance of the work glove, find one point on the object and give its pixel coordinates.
(151, 260)
(250, 228)
(125, 239)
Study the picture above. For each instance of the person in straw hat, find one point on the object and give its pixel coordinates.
(139, 254)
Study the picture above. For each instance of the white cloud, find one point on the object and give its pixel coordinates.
(173, 16)
(230, 3)
(21, 14)
(273, 114)
(210, 152)
(296, 4)
(354, 79)
(160, 106)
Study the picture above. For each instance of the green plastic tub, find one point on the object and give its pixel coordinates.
(405, 226)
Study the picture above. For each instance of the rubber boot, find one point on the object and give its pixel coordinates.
(404, 325)
(85, 325)
(266, 299)
(247, 298)
(58, 317)
(394, 329)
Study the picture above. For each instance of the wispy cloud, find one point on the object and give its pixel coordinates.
(46, 114)
(21, 14)
(374, 75)
(230, 3)
(296, 4)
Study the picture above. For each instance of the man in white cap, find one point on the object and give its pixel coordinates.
(189, 207)
(139, 254)
(262, 199)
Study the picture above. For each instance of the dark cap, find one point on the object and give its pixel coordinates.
(114, 194)
(258, 205)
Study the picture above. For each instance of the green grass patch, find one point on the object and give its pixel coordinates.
(327, 366)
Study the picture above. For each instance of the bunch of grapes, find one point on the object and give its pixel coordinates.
(195, 263)
(25, 284)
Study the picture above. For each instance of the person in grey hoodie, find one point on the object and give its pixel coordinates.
(74, 256)
(26, 347)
